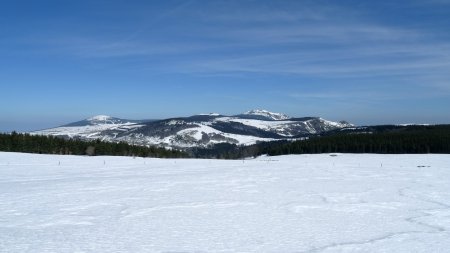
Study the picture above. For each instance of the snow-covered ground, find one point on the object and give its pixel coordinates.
(306, 203)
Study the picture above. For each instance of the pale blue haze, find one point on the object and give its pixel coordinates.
(368, 62)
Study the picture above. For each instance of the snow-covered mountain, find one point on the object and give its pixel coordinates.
(264, 115)
(201, 130)
(92, 128)
(101, 120)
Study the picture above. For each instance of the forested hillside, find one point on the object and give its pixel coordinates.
(374, 139)
(408, 140)
(387, 139)
(26, 143)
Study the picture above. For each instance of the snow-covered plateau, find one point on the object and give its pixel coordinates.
(303, 203)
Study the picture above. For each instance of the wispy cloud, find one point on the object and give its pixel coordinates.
(90, 47)
(296, 38)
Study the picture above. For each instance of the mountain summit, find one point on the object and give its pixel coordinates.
(264, 115)
(100, 118)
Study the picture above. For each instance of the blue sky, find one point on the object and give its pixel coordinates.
(368, 62)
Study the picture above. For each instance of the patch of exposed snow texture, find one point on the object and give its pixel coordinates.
(305, 203)
(267, 114)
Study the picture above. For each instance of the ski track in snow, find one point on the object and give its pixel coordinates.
(304, 203)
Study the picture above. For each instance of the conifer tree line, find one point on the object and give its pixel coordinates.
(386, 143)
(26, 143)
(380, 139)
(412, 140)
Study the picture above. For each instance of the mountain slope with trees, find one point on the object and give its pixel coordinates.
(387, 139)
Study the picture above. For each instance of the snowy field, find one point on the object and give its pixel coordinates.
(307, 203)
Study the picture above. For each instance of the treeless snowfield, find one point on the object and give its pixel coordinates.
(305, 203)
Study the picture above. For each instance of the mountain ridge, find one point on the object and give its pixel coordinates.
(201, 130)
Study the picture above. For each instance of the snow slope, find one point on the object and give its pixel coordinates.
(307, 203)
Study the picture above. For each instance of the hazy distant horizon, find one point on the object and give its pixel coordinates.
(367, 62)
